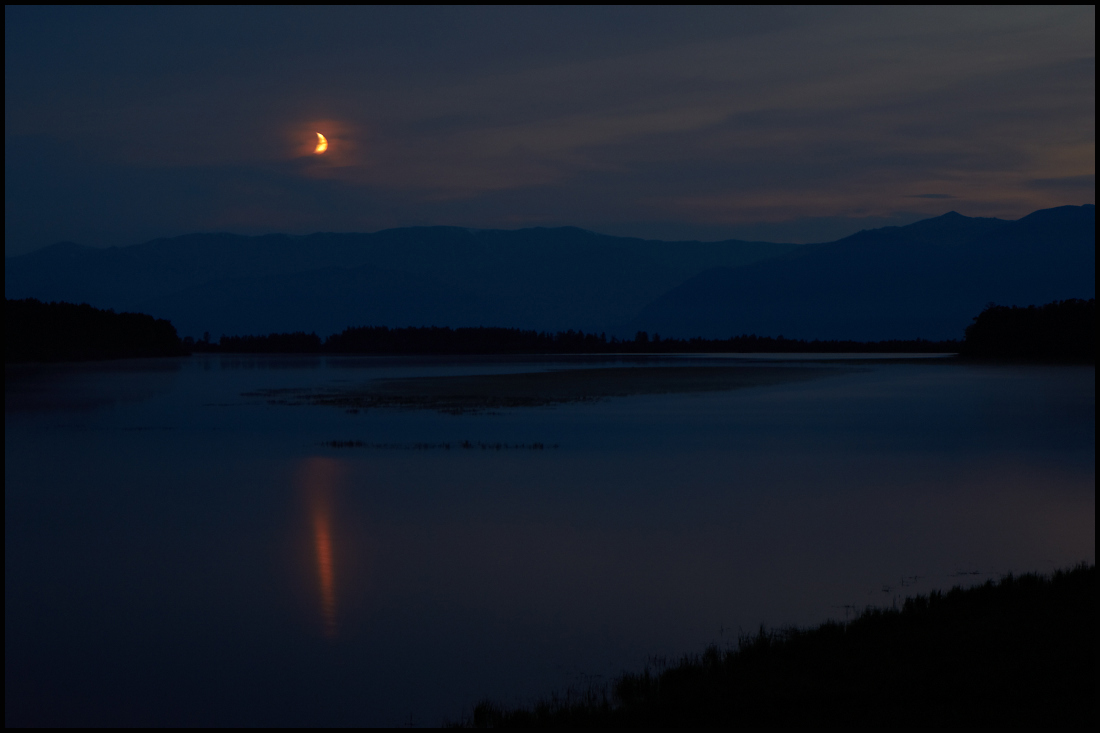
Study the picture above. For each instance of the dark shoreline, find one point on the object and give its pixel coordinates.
(1021, 651)
(37, 332)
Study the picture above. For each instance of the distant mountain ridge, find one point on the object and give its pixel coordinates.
(925, 280)
(547, 279)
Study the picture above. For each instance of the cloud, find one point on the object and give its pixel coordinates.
(1064, 183)
(485, 117)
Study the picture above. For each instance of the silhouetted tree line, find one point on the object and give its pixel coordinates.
(37, 331)
(435, 340)
(1064, 330)
(274, 343)
(1059, 331)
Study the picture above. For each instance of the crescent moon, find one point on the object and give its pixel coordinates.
(322, 144)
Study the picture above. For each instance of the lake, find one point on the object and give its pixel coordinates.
(278, 540)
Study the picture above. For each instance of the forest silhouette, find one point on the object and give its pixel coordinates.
(35, 331)
(45, 332)
(1064, 330)
(485, 340)
(1059, 331)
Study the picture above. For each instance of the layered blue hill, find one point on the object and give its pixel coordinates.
(925, 280)
(546, 279)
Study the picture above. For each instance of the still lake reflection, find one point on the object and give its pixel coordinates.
(319, 477)
(177, 553)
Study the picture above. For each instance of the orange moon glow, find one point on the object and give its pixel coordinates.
(322, 144)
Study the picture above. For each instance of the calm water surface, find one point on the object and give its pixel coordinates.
(178, 554)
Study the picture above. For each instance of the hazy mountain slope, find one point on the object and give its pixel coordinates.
(925, 280)
(325, 301)
(533, 278)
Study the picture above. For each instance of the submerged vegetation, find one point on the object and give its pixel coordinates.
(459, 394)
(1021, 651)
(462, 445)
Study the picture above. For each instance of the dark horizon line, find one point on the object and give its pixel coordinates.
(488, 340)
(522, 229)
(36, 331)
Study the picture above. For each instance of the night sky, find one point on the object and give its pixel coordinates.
(806, 124)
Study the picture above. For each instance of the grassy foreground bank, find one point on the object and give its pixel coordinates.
(1021, 651)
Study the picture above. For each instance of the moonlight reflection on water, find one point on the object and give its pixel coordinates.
(320, 477)
(179, 555)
